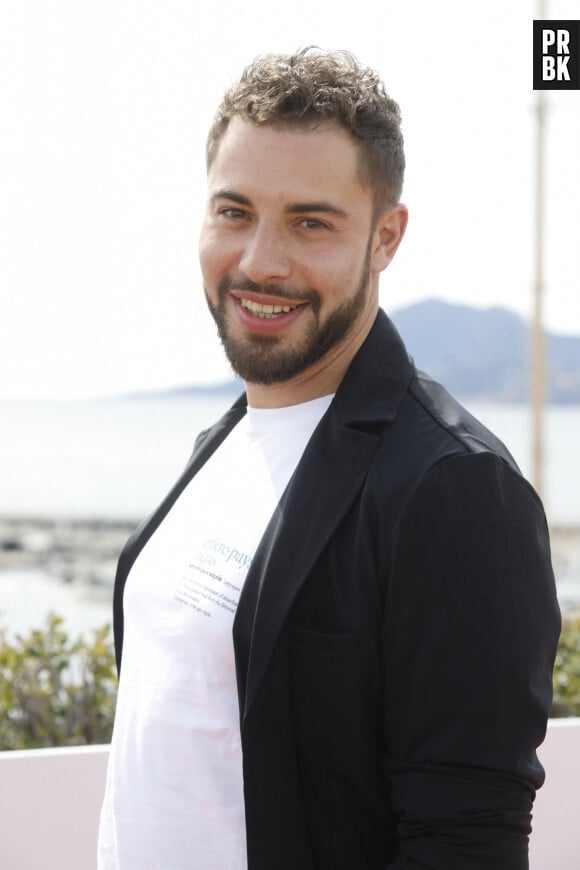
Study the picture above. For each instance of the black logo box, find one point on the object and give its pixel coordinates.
(572, 28)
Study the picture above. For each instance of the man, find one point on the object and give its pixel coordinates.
(337, 631)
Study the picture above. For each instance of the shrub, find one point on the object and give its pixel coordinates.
(55, 691)
(567, 671)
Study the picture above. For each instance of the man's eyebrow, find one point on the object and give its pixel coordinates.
(231, 195)
(324, 207)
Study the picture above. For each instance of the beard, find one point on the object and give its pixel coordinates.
(263, 359)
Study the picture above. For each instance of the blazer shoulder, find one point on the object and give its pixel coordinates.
(457, 426)
(433, 441)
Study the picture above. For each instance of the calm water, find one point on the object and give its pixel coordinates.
(117, 458)
(111, 458)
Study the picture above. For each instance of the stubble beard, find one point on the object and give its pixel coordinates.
(263, 359)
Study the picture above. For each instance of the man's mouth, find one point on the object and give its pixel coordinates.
(268, 312)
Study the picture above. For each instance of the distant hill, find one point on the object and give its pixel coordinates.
(228, 389)
(231, 388)
(485, 353)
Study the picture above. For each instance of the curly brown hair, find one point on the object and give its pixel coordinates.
(314, 87)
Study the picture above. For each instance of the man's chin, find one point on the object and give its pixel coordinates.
(266, 371)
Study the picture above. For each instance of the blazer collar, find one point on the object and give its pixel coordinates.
(327, 480)
(377, 377)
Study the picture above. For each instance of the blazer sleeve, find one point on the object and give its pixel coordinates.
(470, 633)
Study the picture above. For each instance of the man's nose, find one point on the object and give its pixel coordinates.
(265, 257)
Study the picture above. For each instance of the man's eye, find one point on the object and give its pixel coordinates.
(312, 224)
(232, 213)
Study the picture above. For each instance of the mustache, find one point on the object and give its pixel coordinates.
(227, 283)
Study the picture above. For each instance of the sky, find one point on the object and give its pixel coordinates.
(104, 110)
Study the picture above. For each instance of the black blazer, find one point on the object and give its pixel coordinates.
(395, 636)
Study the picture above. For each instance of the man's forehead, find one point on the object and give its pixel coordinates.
(314, 158)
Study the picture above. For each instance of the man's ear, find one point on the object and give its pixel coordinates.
(387, 237)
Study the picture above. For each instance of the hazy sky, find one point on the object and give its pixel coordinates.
(104, 108)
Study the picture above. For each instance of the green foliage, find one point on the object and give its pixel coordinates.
(55, 691)
(567, 669)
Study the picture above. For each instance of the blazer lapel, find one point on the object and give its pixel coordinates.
(325, 484)
(321, 491)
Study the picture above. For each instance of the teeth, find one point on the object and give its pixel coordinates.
(267, 311)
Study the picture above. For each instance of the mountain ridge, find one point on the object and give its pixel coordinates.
(485, 353)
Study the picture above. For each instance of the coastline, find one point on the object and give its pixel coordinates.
(74, 549)
(63, 565)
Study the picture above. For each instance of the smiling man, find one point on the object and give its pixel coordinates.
(337, 631)
(291, 252)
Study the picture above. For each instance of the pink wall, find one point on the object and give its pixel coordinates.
(555, 841)
(50, 802)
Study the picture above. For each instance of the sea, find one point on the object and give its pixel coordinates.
(116, 458)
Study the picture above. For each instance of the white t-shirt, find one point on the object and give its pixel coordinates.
(174, 795)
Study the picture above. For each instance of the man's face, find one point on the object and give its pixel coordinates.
(286, 249)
